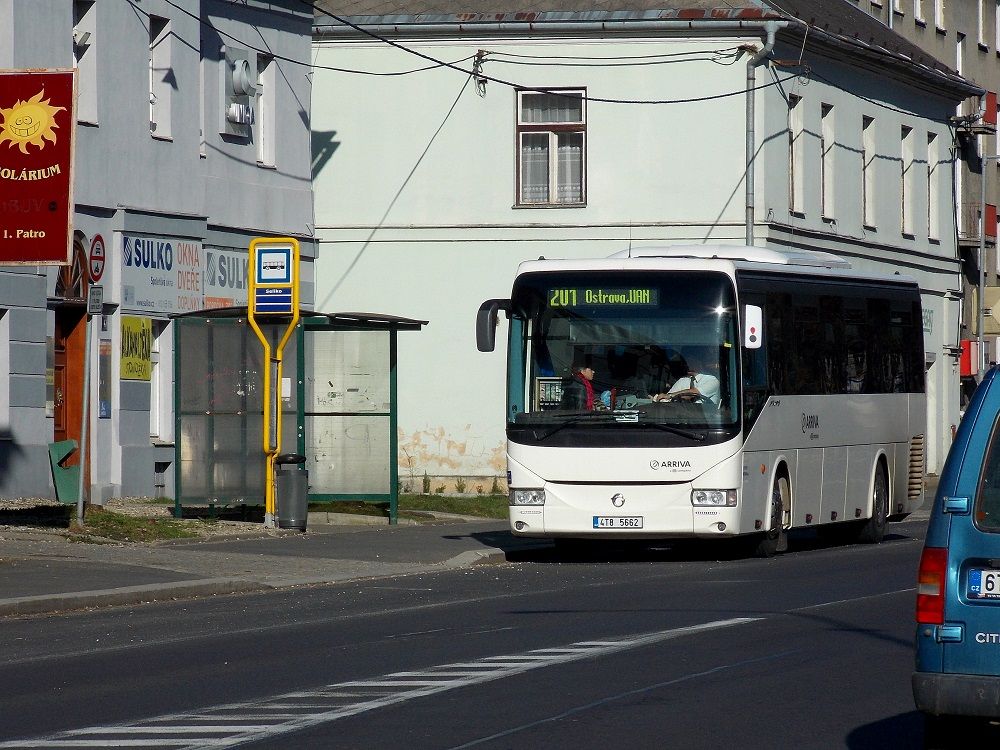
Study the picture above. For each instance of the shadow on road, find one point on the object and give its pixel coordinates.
(907, 731)
(900, 731)
(518, 549)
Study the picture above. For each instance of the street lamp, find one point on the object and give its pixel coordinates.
(982, 262)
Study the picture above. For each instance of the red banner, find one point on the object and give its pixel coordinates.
(37, 120)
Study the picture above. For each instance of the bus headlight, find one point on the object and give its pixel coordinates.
(527, 497)
(717, 498)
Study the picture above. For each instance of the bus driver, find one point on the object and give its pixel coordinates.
(702, 380)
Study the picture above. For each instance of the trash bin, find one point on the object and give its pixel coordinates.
(291, 485)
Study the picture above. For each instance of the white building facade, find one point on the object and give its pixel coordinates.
(192, 138)
(449, 148)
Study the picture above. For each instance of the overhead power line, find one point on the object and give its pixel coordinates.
(480, 76)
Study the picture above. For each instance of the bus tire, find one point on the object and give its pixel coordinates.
(872, 531)
(775, 539)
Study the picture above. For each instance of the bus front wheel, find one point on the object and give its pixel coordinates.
(775, 539)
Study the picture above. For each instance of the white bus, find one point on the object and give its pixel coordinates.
(816, 417)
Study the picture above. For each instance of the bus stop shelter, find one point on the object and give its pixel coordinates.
(337, 398)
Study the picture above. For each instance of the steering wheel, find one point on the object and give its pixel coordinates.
(687, 398)
(692, 398)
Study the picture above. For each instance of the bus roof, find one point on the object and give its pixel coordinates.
(733, 257)
(813, 258)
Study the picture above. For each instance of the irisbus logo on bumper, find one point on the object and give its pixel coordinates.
(657, 465)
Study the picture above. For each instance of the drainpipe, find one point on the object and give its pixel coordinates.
(771, 28)
(981, 301)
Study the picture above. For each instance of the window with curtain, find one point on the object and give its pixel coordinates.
(551, 143)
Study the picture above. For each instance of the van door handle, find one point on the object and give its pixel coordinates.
(956, 505)
(948, 633)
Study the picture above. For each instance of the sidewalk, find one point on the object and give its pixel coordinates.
(43, 572)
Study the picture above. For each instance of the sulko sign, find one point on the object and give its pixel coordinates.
(37, 120)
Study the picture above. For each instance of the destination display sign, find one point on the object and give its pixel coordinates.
(598, 297)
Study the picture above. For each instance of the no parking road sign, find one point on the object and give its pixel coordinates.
(97, 258)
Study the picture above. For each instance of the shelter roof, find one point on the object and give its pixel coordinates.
(372, 321)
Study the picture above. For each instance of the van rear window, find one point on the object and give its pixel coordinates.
(987, 509)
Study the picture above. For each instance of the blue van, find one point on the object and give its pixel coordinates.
(957, 679)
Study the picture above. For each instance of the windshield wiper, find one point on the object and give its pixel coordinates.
(619, 418)
(590, 416)
(699, 436)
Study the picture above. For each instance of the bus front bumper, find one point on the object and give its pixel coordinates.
(633, 511)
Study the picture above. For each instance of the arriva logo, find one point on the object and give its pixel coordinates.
(139, 252)
(810, 422)
(682, 464)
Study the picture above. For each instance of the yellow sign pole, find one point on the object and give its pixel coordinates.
(274, 292)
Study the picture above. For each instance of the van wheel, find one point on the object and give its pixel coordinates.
(775, 539)
(873, 530)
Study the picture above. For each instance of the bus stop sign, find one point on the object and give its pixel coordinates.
(275, 277)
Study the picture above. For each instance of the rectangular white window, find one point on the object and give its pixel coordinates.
(906, 174)
(85, 56)
(265, 116)
(981, 22)
(897, 7)
(551, 138)
(933, 188)
(868, 170)
(796, 155)
(939, 14)
(161, 383)
(996, 26)
(161, 76)
(918, 10)
(827, 145)
(202, 143)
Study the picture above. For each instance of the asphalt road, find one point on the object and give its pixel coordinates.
(636, 649)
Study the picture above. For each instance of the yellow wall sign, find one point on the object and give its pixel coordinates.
(137, 348)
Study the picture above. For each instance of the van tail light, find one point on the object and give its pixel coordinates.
(930, 586)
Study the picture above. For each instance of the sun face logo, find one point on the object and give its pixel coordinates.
(29, 122)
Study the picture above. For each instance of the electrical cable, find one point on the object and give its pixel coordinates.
(496, 57)
(717, 56)
(493, 79)
(313, 66)
(435, 63)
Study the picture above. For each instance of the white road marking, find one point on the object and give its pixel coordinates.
(332, 702)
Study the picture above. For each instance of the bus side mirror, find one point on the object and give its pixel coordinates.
(753, 326)
(486, 323)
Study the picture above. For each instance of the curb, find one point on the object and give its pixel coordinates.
(56, 603)
(472, 557)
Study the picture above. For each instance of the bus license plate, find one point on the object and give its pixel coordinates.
(617, 522)
(984, 584)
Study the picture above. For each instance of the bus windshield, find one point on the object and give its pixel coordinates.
(617, 349)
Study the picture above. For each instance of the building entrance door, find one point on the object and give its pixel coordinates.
(69, 342)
